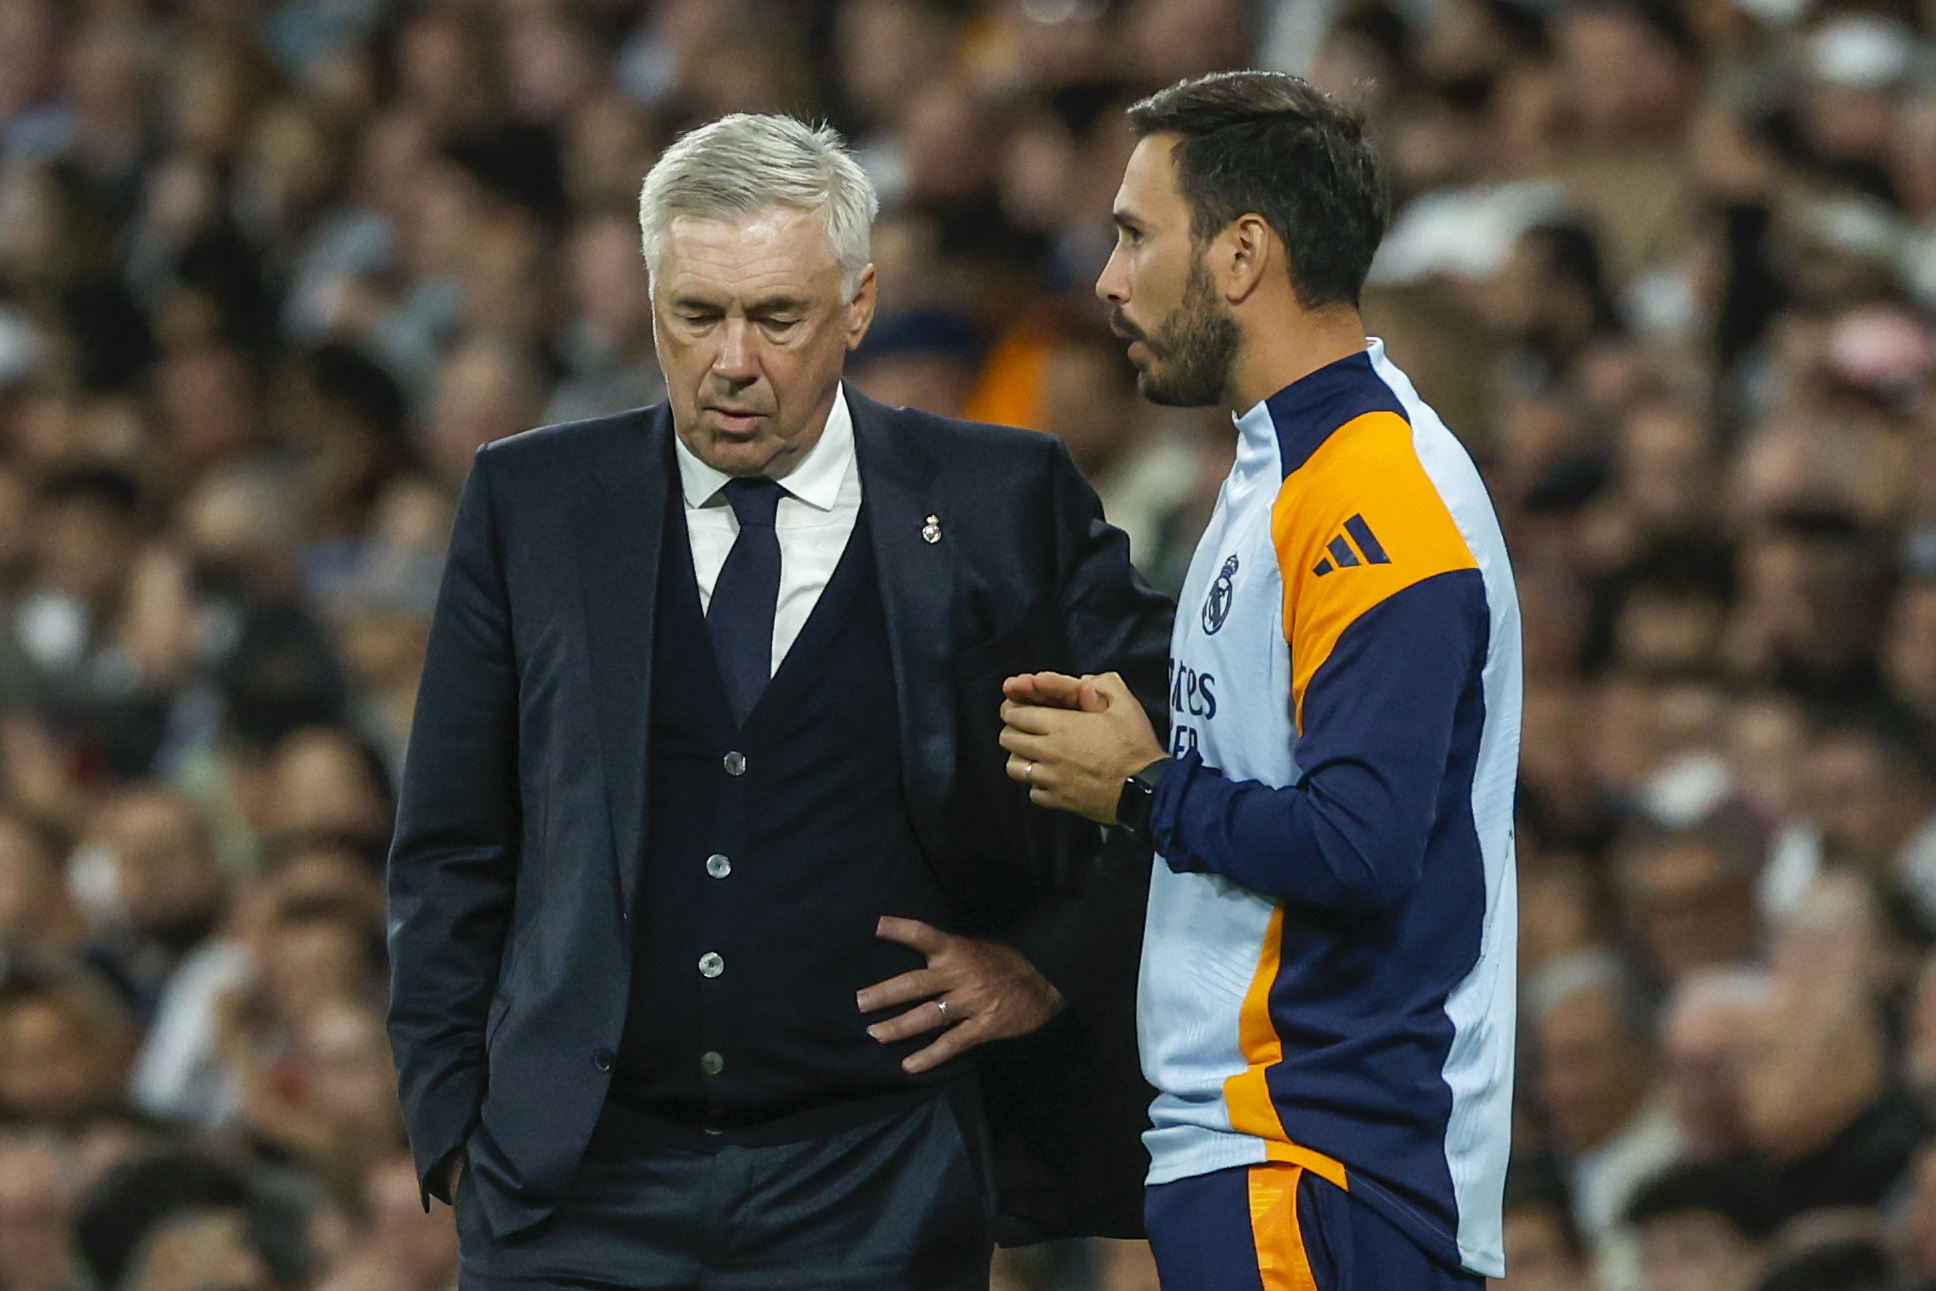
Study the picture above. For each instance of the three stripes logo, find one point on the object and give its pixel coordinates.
(1344, 556)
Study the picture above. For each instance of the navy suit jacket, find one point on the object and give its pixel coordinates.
(522, 821)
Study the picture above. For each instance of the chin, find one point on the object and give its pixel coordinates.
(738, 456)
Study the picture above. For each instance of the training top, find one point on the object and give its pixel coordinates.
(1328, 971)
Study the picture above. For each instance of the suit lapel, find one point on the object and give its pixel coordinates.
(621, 527)
(917, 579)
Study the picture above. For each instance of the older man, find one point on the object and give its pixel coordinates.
(707, 878)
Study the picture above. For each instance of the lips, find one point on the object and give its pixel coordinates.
(736, 419)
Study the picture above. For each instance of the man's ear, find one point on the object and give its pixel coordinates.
(860, 310)
(1244, 253)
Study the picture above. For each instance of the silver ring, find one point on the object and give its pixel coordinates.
(946, 1020)
(1028, 774)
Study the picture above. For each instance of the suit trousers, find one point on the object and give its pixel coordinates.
(904, 1203)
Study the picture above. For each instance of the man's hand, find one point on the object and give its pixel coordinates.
(1075, 756)
(979, 990)
(1052, 690)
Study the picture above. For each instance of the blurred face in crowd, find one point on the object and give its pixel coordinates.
(933, 381)
(1767, 739)
(351, 1080)
(1538, 1255)
(608, 281)
(1697, 1251)
(85, 547)
(1703, 1040)
(35, 909)
(1689, 907)
(1815, 1055)
(57, 1060)
(1592, 1068)
(166, 880)
(753, 333)
(1865, 805)
(483, 394)
(1183, 339)
(202, 1250)
(36, 1204)
(1909, 654)
(1623, 78)
(321, 784)
(1557, 897)
(1664, 632)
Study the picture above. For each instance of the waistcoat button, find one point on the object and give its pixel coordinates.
(711, 965)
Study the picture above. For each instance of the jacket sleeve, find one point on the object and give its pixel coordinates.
(453, 861)
(1110, 621)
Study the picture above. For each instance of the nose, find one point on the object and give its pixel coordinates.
(738, 357)
(1112, 284)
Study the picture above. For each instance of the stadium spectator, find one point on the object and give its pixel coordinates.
(1706, 1022)
(1704, 1226)
(173, 1222)
(1595, 1073)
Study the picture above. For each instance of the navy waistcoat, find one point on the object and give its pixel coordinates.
(777, 848)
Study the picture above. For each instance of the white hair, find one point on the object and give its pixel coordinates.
(747, 162)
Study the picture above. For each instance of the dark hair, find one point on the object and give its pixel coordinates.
(1269, 144)
(141, 1196)
(350, 379)
(1740, 1193)
(108, 487)
(1852, 1265)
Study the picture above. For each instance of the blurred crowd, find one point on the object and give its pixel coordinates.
(271, 270)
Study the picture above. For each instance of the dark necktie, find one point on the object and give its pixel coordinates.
(740, 616)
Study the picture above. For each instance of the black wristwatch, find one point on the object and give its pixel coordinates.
(1138, 796)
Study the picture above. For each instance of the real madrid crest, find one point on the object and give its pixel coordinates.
(1216, 606)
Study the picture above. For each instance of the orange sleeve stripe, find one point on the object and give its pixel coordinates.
(1283, 1263)
(1365, 479)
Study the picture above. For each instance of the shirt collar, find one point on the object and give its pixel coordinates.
(815, 479)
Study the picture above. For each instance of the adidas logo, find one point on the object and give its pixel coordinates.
(1343, 556)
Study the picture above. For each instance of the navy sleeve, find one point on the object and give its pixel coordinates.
(1378, 723)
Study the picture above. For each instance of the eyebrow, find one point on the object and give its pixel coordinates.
(765, 305)
(1124, 220)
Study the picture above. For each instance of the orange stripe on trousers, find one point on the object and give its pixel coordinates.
(1282, 1264)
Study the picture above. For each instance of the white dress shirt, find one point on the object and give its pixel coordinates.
(819, 502)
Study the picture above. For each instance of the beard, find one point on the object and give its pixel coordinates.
(1192, 350)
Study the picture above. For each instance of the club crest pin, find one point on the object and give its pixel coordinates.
(931, 531)
(1216, 606)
